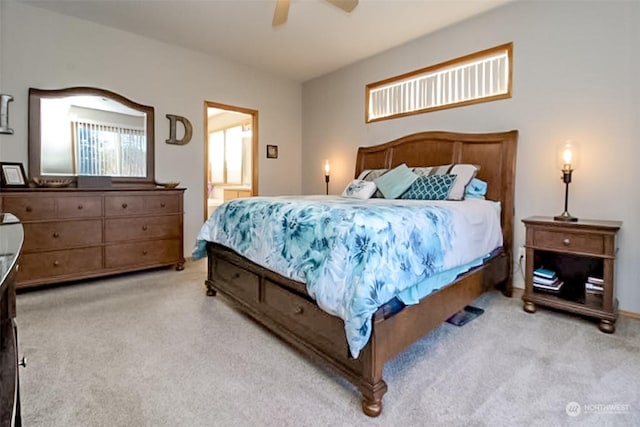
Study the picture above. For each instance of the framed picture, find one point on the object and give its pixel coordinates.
(12, 175)
(272, 151)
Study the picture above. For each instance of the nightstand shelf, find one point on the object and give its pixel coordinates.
(575, 251)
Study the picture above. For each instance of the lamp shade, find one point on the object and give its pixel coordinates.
(568, 155)
(327, 167)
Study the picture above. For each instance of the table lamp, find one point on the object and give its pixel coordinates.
(568, 161)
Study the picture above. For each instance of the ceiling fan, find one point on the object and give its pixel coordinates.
(282, 9)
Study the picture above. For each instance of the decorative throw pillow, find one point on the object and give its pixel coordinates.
(476, 189)
(395, 182)
(359, 189)
(434, 187)
(371, 175)
(465, 173)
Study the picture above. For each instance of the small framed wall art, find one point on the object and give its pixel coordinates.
(12, 175)
(272, 151)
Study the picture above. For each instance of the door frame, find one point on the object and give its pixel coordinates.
(254, 146)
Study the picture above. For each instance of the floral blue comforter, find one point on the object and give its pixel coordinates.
(353, 255)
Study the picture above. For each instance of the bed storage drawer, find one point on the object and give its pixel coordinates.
(235, 281)
(305, 318)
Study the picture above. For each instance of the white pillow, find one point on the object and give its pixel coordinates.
(464, 172)
(359, 189)
(372, 175)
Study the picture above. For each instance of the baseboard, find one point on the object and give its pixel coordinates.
(629, 314)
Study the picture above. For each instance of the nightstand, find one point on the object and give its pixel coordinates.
(582, 255)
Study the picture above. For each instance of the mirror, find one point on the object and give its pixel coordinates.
(84, 131)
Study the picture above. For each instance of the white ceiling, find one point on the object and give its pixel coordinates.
(318, 37)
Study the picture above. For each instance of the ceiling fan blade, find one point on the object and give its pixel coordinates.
(281, 13)
(346, 5)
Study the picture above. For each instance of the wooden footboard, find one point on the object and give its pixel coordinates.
(284, 307)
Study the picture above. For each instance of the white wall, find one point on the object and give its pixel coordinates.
(46, 50)
(576, 69)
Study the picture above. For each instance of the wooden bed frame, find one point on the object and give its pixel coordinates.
(284, 307)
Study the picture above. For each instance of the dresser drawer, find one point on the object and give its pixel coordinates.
(153, 227)
(152, 252)
(79, 207)
(236, 281)
(30, 208)
(586, 243)
(143, 204)
(123, 205)
(46, 265)
(163, 203)
(304, 317)
(62, 234)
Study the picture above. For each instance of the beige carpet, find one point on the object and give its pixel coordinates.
(151, 349)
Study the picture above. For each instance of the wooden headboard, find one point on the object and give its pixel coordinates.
(495, 153)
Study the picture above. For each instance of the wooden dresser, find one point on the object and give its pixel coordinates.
(73, 234)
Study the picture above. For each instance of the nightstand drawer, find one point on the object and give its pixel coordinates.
(566, 241)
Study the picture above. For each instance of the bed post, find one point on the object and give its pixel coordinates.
(211, 259)
(372, 386)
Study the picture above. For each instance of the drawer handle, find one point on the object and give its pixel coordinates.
(566, 242)
(56, 263)
(28, 209)
(144, 227)
(298, 310)
(162, 205)
(144, 252)
(55, 235)
(80, 207)
(124, 206)
(22, 362)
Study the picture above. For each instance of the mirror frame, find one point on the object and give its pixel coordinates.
(35, 95)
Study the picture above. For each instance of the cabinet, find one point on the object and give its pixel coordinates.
(11, 237)
(232, 193)
(73, 234)
(575, 251)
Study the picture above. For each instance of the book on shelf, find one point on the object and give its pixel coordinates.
(553, 287)
(594, 289)
(545, 281)
(544, 273)
(595, 280)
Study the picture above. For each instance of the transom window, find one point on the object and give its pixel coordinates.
(479, 77)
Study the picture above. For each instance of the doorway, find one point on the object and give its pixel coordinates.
(230, 154)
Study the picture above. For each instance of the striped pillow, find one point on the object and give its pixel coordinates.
(372, 175)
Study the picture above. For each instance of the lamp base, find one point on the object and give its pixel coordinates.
(565, 216)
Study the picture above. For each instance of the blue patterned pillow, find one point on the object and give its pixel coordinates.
(434, 187)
